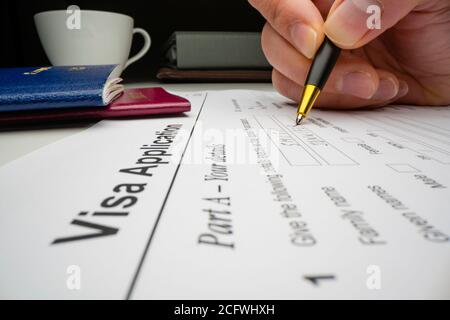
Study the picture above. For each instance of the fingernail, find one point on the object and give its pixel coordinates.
(358, 84)
(403, 89)
(347, 24)
(387, 89)
(305, 39)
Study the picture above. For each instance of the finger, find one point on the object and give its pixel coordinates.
(390, 89)
(354, 23)
(352, 75)
(388, 86)
(293, 91)
(298, 21)
(402, 92)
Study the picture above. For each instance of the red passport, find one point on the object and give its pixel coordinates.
(132, 103)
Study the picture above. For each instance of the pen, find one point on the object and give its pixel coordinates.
(321, 67)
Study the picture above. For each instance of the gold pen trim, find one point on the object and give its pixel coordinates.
(309, 97)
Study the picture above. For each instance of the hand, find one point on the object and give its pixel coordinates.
(407, 61)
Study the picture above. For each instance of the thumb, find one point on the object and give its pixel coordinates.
(353, 23)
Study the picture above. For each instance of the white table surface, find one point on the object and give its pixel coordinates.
(17, 143)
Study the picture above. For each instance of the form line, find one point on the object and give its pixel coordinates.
(163, 206)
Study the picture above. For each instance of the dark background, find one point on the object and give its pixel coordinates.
(20, 45)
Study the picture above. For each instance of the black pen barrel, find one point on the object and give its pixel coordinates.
(323, 64)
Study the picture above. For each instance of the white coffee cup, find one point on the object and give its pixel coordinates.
(88, 37)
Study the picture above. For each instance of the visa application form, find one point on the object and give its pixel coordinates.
(233, 201)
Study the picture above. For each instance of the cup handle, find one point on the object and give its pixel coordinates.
(144, 50)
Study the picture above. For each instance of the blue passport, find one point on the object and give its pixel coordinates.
(58, 87)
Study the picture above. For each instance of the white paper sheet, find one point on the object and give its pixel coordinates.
(234, 202)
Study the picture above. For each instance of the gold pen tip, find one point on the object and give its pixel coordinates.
(309, 96)
(299, 119)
